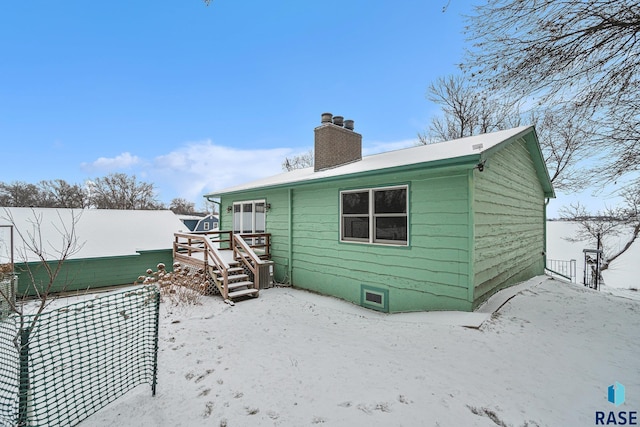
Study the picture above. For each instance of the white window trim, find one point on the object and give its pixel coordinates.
(372, 216)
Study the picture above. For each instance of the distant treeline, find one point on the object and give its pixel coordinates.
(114, 191)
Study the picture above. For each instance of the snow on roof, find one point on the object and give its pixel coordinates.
(101, 232)
(457, 148)
(190, 216)
(196, 216)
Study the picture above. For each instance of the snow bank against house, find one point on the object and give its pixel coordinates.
(293, 358)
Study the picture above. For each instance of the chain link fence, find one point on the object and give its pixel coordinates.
(59, 367)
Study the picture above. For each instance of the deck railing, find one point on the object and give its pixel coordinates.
(562, 268)
(260, 243)
(200, 250)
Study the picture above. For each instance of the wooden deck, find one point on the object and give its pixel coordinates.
(236, 265)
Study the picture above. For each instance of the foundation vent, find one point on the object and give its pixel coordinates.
(374, 298)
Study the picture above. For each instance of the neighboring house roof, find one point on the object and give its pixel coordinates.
(473, 149)
(198, 218)
(101, 232)
(193, 217)
(209, 217)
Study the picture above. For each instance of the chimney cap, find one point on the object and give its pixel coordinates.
(348, 124)
(338, 120)
(326, 118)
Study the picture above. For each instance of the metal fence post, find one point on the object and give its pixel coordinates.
(23, 390)
(155, 344)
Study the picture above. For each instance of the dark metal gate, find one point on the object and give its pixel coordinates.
(592, 268)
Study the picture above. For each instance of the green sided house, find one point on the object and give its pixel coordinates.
(112, 247)
(434, 227)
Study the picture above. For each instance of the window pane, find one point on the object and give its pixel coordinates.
(391, 228)
(355, 227)
(391, 201)
(236, 218)
(260, 218)
(355, 203)
(247, 217)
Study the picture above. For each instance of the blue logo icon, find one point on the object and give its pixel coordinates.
(615, 394)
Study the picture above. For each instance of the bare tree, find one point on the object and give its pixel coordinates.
(579, 53)
(562, 137)
(121, 191)
(114, 191)
(21, 194)
(182, 206)
(566, 137)
(210, 207)
(466, 111)
(36, 252)
(299, 161)
(61, 194)
(619, 134)
(49, 256)
(612, 222)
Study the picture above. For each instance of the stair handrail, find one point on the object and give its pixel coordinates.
(265, 243)
(244, 252)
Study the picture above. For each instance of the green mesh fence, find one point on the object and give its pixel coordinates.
(9, 373)
(72, 361)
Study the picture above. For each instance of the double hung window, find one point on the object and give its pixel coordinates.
(375, 215)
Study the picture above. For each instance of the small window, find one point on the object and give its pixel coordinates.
(377, 215)
(206, 226)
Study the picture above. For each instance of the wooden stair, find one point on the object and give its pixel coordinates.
(239, 284)
(224, 254)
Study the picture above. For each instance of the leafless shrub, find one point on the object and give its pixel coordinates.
(182, 286)
(37, 252)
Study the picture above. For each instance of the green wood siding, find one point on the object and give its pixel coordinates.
(432, 273)
(91, 273)
(508, 216)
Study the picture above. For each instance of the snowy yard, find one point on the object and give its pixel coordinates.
(293, 358)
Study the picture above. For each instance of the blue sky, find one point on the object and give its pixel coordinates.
(177, 92)
(196, 98)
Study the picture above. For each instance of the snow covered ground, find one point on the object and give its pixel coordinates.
(293, 358)
(539, 354)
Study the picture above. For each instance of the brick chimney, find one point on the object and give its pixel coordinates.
(336, 143)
